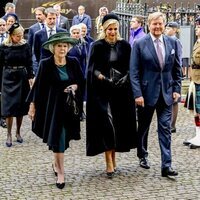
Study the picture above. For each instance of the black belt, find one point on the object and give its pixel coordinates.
(195, 66)
(15, 67)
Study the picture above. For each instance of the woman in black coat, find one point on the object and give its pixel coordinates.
(17, 74)
(110, 119)
(53, 119)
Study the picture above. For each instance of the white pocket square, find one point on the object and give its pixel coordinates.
(172, 51)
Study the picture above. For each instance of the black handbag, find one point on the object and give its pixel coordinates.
(118, 78)
(71, 103)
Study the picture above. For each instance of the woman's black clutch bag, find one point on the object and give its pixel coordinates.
(118, 78)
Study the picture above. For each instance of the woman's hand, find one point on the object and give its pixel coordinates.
(31, 112)
(101, 77)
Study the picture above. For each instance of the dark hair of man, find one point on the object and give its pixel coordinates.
(139, 18)
(42, 9)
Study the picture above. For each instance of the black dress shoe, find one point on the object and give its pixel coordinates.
(186, 143)
(60, 185)
(168, 171)
(173, 130)
(144, 163)
(192, 146)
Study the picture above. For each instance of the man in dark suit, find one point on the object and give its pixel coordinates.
(9, 8)
(40, 17)
(61, 20)
(82, 18)
(42, 36)
(155, 75)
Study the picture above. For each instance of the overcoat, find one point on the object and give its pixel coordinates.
(110, 119)
(50, 101)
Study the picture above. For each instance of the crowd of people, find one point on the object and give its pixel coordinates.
(50, 75)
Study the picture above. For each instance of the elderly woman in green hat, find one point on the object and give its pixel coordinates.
(53, 120)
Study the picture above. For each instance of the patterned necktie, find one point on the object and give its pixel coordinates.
(50, 32)
(159, 52)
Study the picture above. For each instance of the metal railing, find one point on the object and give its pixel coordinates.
(183, 14)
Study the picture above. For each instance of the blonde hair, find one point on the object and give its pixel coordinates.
(106, 24)
(156, 15)
(18, 30)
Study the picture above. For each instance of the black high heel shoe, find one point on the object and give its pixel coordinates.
(110, 174)
(9, 142)
(56, 174)
(60, 185)
(19, 139)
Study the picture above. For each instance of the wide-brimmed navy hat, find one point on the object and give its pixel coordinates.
(109, 16)
(61, 37)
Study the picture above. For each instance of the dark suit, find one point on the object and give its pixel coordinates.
(156, 86)
(64, 23)
(39, 38)
(86, 20)
(32, 30)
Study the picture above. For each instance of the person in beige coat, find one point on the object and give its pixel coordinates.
(194, 90)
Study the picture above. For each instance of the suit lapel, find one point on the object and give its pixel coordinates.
(167, 48)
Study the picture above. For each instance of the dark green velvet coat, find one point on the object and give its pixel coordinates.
(49, 98)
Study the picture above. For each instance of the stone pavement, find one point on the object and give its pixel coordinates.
(26, 172)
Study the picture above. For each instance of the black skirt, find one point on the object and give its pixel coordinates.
(15, 88)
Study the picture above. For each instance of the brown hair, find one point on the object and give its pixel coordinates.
(139, 19)
(42, 9)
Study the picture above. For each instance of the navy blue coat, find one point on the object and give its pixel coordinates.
(86, 20)
(32, 30)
